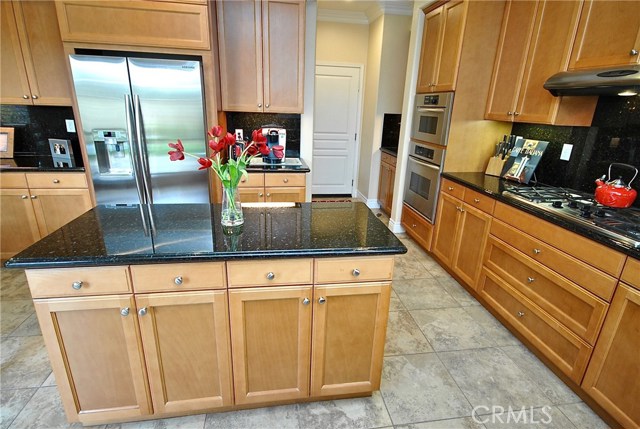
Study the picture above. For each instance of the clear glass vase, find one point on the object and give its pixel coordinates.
(231, 208)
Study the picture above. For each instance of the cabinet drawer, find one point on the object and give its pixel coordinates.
(270, 272)
(480, 201)
(417, 227)
(253, 180)
(13, 180)
(579, 247)
(388, 159)
(284, 179)
(452, 188)
(591, 279)
(56, 180)
(568, 352)
(631, 272)
(65, 282)
(176, 277)
(582, 312)
(363, 269)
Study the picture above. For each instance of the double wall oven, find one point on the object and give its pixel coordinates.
(429, 134)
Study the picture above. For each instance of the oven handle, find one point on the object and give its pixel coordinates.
(424, 164)
(430, 109)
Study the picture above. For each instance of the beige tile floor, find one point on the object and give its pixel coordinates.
(445, 356)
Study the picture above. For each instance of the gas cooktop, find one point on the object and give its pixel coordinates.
(620, 224)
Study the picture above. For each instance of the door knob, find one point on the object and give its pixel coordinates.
(142, 311)
(76, 285)
(178, 280)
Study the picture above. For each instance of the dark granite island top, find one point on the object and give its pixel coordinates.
(121, 235)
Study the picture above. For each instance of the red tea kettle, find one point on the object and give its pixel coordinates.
(615, 193)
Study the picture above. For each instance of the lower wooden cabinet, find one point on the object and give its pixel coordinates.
(385, 183)
(185, 338)
(57, 207)
(613, 373)
(447, 226)
(417, 227)
(272, 188)
(18, 225)
(293, 194)
(95, 343)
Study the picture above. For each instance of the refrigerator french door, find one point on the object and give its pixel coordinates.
(130, 109)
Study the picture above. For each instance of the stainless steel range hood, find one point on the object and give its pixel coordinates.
(623, 81)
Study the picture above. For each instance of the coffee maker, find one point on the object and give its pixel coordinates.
(276, 136)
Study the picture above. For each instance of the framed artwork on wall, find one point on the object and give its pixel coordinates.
(6, 142)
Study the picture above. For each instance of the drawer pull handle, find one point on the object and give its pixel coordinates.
(76, 285)
(56, 181)
(285, 180)
(355, 272)
(537, 251)
(450, 188)
(178, 280)
(124, 312)
(306, 301)
(476, 200)
(142, 311)
(322, 300)
(520, 313)
(531, 279)
(270, 275)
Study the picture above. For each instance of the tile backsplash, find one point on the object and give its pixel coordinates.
(252, 121)
(614, 136)
(35, 125)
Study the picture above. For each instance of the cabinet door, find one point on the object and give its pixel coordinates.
(549, 49)
(392, 179)
(349, 327)
(383, 186)
(446, 228)
(57, 207)
(251, 195)
(283, 53)
(18, 225)
(187, 350)
(271, 341)
(517, 26)
(614, 370)
(472, 237)
(293, 194)
(430, 50)
(454, 16)
(43, 53)
(95, 351)
(608, 35)
(240, 53)
(14, 84)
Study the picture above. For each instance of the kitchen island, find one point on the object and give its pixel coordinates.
(156, 311)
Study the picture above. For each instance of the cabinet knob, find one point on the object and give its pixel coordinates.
(33, 197)
(268, 194)
(322, 300)
(178, 280)
(56, 181)
(24, 197)
(531, 279)
(260, 194)
(35, 97)
(633, 52)
(476, 200)
(537, 251)
(76, 285)
(142, 311)
(270, 275)
(125, 311)
(450, 188)
(26, 97)
(520, 313)
(306, 301)
(243, 180)
(285, 180)
(413, 225)
(516, 113)
(259, 104)
(355, 272)
(266, 105)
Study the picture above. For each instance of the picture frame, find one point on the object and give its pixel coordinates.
(6, 142)
(60, 148)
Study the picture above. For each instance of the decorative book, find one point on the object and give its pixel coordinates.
(523, 160)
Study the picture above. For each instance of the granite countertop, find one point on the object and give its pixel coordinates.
(31, 163)
(116, 235)
(495, 186)
(280, 168)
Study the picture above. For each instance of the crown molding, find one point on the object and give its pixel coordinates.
(342, 16)
(382, 7)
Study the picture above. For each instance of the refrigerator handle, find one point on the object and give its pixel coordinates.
(142, 148)
(134, 150)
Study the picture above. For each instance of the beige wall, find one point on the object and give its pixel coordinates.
(341, 43)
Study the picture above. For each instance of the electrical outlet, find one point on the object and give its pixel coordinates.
(71, 125)
(239, 134)
(566, 152)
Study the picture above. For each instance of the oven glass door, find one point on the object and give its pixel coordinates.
(421, 187)
(429, 125)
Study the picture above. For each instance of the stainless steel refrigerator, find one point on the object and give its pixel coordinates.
(130, 109)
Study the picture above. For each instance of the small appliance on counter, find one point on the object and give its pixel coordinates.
(615, 193)
(277, 141)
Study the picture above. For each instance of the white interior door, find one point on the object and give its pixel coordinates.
(334, 129)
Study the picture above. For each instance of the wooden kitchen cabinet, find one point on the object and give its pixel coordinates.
(608, 35)
(273, 187)
(386, 181)
(446, 228)
(185, 336)
(18, 225)
(614, 370)
(271, 341)
(417, 227)
(261, 65)
(56, 207)
(441, 47)
(535, 43)
(33, 61)
(95, 351)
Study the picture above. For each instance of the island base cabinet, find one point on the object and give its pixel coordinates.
(271, 343)
(186, 346)
(613, 373)
(96, 354)
(349, 327)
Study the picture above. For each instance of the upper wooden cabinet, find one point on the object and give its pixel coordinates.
(608, 35)
(441, 47)
(261, 48)
(137, 23)
(33, 61)
(535, 43)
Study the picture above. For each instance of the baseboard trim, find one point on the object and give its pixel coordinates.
(371, 203)
(396, 227)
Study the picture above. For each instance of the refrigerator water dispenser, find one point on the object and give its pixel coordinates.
(113, 152)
